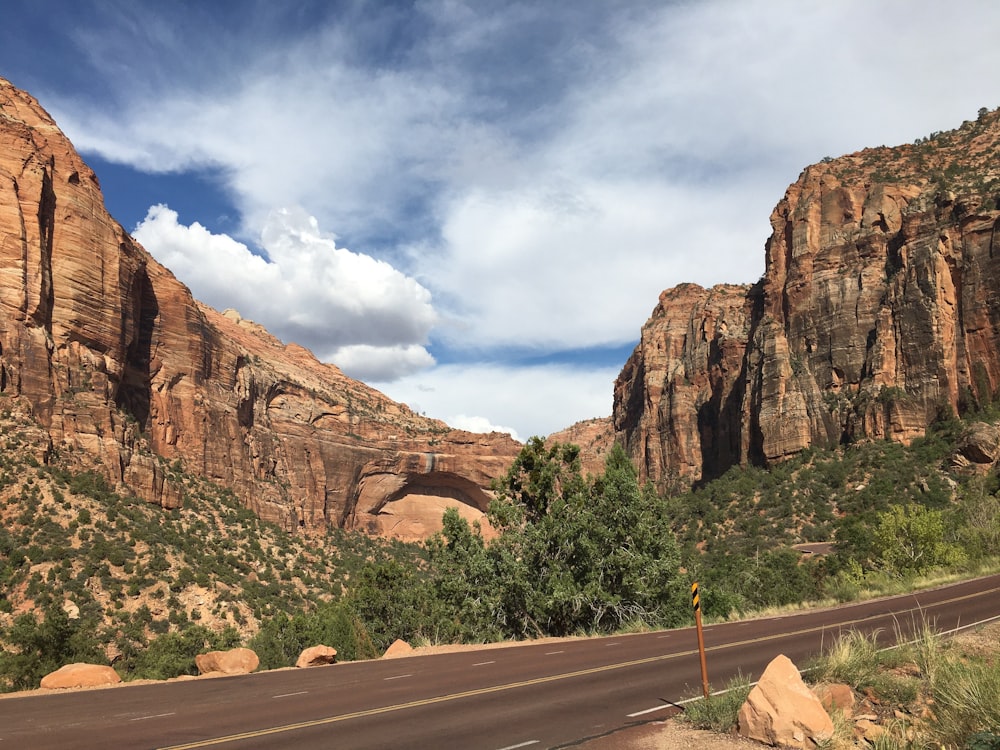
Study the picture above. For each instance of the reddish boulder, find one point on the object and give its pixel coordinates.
(837, 697)
(80, 675)
(398, 647)
(782, 711)
(316, 656)
(234, 661)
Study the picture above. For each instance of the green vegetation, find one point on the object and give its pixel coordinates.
(961, 683)
(720, 710)
(931, 691)
(144, 588)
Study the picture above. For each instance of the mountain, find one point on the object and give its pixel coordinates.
(878, 312)
(125, 370)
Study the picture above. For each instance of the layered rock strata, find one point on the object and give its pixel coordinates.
(119, 363)
(878, 311)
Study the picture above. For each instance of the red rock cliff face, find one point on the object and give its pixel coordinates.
(118, 362)
(878, 309)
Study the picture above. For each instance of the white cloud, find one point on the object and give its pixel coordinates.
(353, 310)
(582, 267)
(480, 424)
(381, 363)
(543, 171)
(537, 400)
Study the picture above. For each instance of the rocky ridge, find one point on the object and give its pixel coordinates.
(114, 359)
(878, 311)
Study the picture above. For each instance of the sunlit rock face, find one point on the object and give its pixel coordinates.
(878, 311)
(126, 370)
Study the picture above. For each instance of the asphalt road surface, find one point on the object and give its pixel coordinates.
(543, 695)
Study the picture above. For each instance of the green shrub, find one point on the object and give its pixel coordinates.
(966, 700)
(719, 712)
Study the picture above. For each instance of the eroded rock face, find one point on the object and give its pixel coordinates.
(679, 398)
(878, 311)
(595, 437)
(118, 362)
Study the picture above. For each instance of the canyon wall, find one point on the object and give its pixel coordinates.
(878, 312)
(115, 359)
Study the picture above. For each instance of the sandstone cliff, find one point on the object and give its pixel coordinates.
(595, 437)
(879, 309)
(120, 364)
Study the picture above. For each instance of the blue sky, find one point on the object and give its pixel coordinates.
(473, 206)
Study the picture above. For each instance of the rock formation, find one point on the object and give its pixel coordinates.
(120, 365)
(233, 661)
(782, 711)
(594, 437)
(316, 656)
(80, 675)
(879, 311)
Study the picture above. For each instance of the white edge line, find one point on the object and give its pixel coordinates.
(522, 744)
(803, 671)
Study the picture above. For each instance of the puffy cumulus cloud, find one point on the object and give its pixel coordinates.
(351, 309)
(537, 400)
(381, 363)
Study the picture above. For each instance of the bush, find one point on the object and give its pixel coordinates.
(966, 701)
(719, 711)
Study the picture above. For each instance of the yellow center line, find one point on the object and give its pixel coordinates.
(542, 680)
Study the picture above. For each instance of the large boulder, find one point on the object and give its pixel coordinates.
(317, 656)
(234, 661)
(782, 711)
(980, 444)
(398, 647)
(80, 675)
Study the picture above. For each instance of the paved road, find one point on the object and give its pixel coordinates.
(546, 695)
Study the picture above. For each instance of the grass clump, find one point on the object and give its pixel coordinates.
(719, 711)
(967, 703)
(950, 688)
(855, 659)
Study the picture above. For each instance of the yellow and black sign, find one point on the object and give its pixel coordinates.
(695, 598)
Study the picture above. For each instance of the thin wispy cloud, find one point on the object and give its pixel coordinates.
(518, 177)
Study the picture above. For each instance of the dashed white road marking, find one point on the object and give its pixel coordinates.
(398, 677)
(483, 663)
(154, 716)
(648, 710)
(286, 695)
(550, 653)
(523, 744)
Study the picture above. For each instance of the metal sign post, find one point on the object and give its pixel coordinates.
(696, 603)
